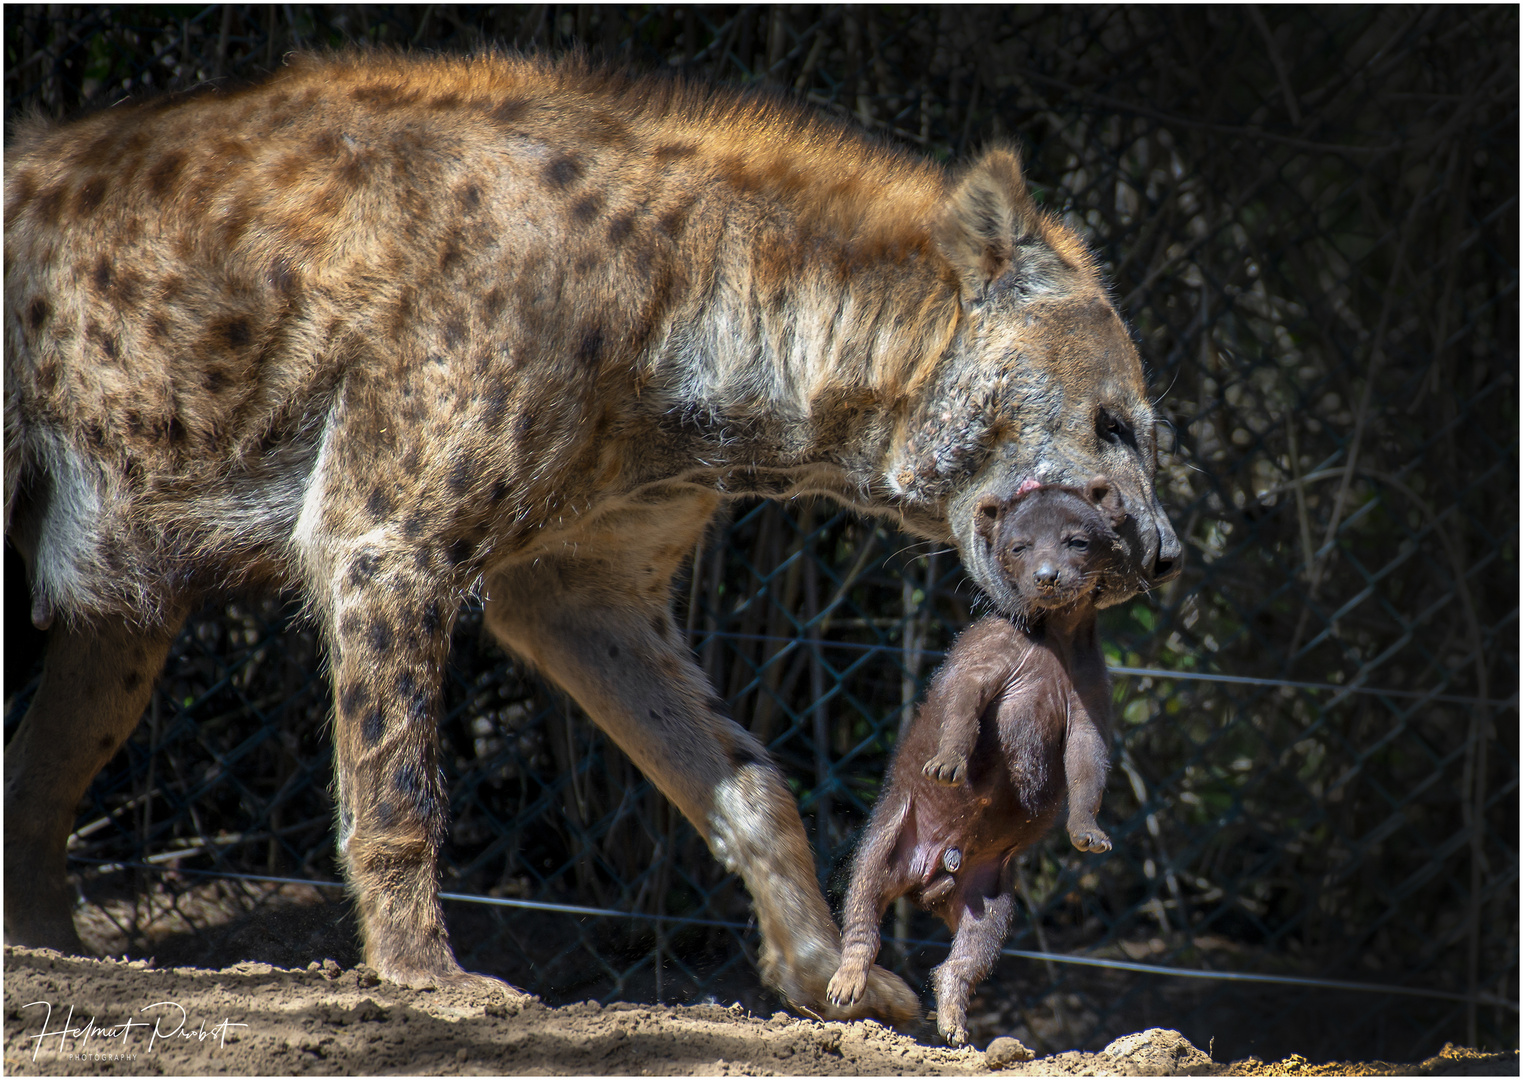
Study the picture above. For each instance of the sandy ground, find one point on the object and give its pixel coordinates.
(257, 1019)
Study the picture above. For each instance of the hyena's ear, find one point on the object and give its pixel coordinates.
(989, 227)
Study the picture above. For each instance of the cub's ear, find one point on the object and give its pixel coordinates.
(989, 227)
(1105, 498)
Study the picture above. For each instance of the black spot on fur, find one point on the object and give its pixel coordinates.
(109, 346)
(215, 380)
(374, 726)
(432, 620)
(236, 333)
(620, 228)
(458, 551)
(90, 195)
(461, 472)
(379, 503)
(132, 680)
(353, 699)
(380, 636)
(362, 569)
(102, 275)
(674, 151)
(510, 110)
(563, 171)
(613, 652)
(350, 625)
(162, 177)
(499, 491)
(407, 781)
(385, 815)
(587, 208)
(589, 348)
(674, 221)
(497, 407)
(471, 196)
(414, 524)
(281, 275)
(37, 313)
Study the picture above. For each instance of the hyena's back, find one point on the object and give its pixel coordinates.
(487, 252)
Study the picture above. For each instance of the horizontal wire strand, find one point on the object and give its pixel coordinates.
(111, 866)
(1151, 673)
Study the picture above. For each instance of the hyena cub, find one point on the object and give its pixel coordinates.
(1018, 716)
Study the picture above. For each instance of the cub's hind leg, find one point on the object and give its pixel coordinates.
(872, 889)
(96, 681)
(982, 922)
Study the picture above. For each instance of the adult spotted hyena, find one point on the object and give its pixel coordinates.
(380, 326)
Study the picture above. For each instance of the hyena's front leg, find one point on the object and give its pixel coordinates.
(607, 637)
(388, 634)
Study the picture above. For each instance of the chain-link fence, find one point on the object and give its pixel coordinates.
(1310, 215)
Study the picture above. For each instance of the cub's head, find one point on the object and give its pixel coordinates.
(1054, 546)
(1041, 386)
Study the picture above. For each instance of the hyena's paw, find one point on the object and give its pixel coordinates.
(947, 768)
(460, 982)
(1089, 837)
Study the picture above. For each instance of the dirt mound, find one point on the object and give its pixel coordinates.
(73, 1016)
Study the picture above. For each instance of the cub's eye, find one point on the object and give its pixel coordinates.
(1018, 548)
(1078, 543)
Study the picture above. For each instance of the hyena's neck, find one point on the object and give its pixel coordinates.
(802, 382)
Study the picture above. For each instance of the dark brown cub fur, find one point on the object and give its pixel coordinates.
(1017, 717)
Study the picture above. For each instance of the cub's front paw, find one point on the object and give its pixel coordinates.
(846, 985)
(949, 769)
(1089, 838)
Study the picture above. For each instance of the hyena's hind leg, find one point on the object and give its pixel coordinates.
(600, 627)
(96, 681)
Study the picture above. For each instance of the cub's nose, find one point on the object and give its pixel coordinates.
(1046, 576)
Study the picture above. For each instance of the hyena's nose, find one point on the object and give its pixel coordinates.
(1046, 576)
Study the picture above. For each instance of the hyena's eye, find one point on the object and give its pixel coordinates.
(1112, 429)
(1018, 548)
(1078, 543)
